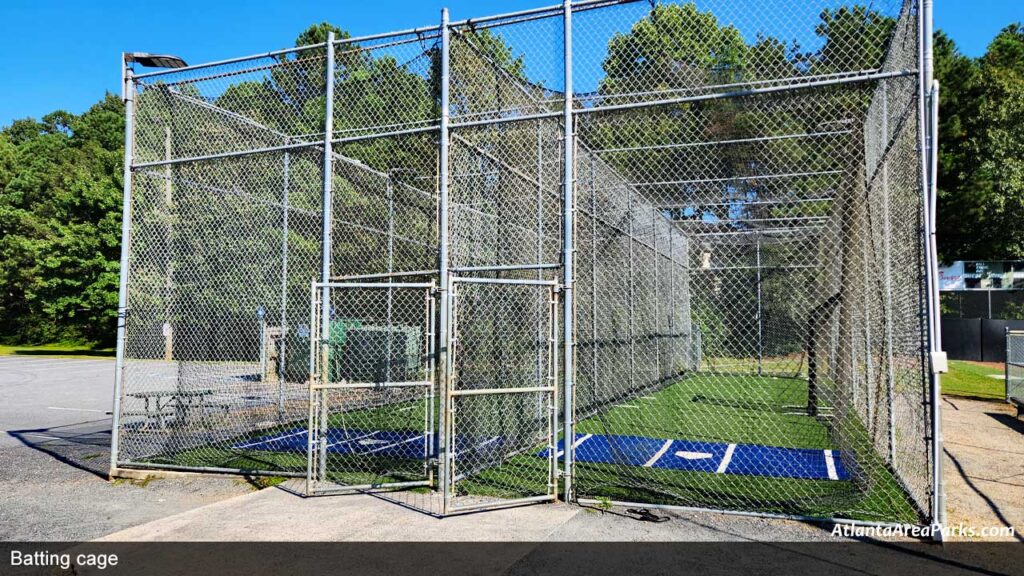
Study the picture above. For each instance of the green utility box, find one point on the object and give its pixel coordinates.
(362, 353)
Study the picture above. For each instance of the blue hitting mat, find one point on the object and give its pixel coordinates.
(391, 443)
(713, 457)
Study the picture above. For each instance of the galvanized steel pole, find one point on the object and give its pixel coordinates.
(760, 320)
(890, 378)
(936, 323)
(568, 254)
(326, 255)
(283, 349)
(128, 95)
(927, 94)
(328, 183)
(444, 372)
(1006, 363)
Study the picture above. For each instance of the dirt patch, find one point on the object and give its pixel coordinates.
(984, 466)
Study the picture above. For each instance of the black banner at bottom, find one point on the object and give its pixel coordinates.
(514, 558)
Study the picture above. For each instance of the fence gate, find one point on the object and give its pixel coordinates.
(501, 406)
(371, 409)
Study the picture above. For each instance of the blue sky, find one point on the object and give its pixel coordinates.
(63, 54)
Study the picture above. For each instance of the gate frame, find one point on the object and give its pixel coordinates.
(450, 393)
(318, 384)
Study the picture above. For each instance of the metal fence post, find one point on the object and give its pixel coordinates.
(128, 95)
(326, 254)
(926, 94)
(593, 278)
(568, 250)
(326, 217)
(1006, 364)
(168, 283)
(933, 262)
(760, 321)
(890, 379)
(282, 351)
(444, 374)
(631, 294)
(655, 256)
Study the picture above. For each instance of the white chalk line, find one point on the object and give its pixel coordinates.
(724, 464)
(657, 455)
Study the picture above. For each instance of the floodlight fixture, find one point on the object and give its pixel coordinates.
(148, 60)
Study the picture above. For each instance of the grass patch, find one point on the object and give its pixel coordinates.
(141, 483)
(57, 351)
(973, 380)
(262, 482)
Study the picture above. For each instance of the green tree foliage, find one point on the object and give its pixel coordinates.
(60, 176)
(674, 47)
(856, 39)
(981, 149)
(60, 197)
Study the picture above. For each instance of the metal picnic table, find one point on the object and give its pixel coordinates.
(183, 402)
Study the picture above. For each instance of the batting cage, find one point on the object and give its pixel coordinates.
(669, 253)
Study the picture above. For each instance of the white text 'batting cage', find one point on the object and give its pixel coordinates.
(669, 253)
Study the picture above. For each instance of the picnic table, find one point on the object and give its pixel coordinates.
(159, 404)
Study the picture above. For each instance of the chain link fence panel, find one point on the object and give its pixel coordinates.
(739, 188)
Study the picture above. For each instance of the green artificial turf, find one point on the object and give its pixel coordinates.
(717, 408)
(740, 409)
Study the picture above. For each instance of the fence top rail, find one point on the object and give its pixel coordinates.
(551, 10)
(358, 277)
(374, 285)
(417, 32)
(745, 92)
(520, 281)
(271, 54)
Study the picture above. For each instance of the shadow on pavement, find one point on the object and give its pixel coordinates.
(1009, 420)
(84, 445)
(970, 483)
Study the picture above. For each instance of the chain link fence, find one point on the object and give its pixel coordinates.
(670, 253)
(1015, 368)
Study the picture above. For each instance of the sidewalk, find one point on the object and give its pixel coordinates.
(278, 515)
(516, 541)
(984, 465)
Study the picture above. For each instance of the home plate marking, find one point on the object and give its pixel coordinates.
(693, 455)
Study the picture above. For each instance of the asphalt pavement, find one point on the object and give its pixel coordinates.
(55, 455)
